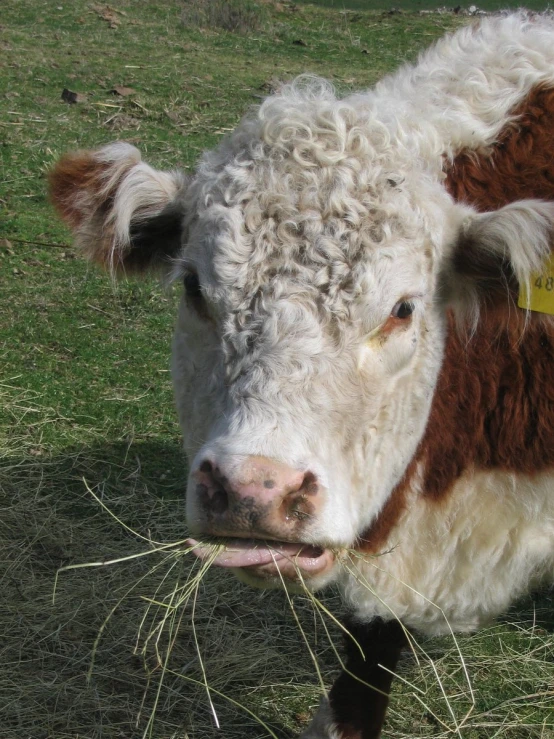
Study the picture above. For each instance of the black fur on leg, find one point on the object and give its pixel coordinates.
(358, 710)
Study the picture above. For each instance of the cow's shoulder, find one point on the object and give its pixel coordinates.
(459, 562)
(518, 165)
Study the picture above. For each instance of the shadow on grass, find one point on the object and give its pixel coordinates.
(250, 650)
(537, 609)
(246, 639)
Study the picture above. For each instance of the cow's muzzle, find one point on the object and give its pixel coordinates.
(253, 497)
(262, 509)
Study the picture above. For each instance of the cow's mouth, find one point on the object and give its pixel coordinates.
(264, 559)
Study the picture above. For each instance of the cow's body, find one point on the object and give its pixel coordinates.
(355, 381)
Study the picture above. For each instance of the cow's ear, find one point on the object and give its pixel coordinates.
(493, 254)
(124, 214)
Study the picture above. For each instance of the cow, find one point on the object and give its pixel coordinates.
(365, 389)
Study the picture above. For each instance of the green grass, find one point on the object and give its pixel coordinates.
(86, 402)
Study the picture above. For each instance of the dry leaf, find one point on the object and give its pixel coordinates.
(271, 86)
(122, 91)
(108, 14)
(68, 96)
(122, 122)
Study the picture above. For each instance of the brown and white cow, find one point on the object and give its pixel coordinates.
(352, 372)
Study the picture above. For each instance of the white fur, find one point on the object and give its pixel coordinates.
(461, 91)
(306, 226)
(459, 564)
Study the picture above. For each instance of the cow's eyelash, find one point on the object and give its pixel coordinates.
(194, 294)
(192, 286)
(403, 310)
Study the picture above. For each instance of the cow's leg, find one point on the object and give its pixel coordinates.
(355, 710)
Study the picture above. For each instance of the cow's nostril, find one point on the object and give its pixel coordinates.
(309, 484)
(201, 490)
(298, 508)
(219, 502)
(206, 467)
(211, 489)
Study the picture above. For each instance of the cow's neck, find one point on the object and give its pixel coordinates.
(493, 409)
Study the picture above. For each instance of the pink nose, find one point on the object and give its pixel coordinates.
(260, 497)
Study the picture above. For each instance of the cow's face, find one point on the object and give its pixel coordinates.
(316, 259)
(306, 350)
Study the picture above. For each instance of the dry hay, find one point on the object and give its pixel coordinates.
(87, 663)
(140, 643)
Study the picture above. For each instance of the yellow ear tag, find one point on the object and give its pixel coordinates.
(541, 285)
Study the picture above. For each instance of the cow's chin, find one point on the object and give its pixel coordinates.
(270, 564)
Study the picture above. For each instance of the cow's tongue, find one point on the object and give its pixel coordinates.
(249, 552)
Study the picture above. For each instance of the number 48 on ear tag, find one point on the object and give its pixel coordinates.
(541, 286)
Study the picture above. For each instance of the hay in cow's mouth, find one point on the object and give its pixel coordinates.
(279, 555)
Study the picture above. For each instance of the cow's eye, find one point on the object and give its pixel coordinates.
(403, 309)
(192, 286)
(194, 295)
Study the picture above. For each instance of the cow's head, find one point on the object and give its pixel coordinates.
(318, 255)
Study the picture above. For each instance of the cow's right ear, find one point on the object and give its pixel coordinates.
(494, 254)
(124, 214)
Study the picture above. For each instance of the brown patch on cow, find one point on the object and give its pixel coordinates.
(519, 165)
(493, 406)
(73, 175)
(79, 191)
(494, 403)
(76, 191)
(375, 538)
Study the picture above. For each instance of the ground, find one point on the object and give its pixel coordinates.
(89, 442)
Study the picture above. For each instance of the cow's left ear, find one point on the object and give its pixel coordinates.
(123, 213)
(492, 254)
